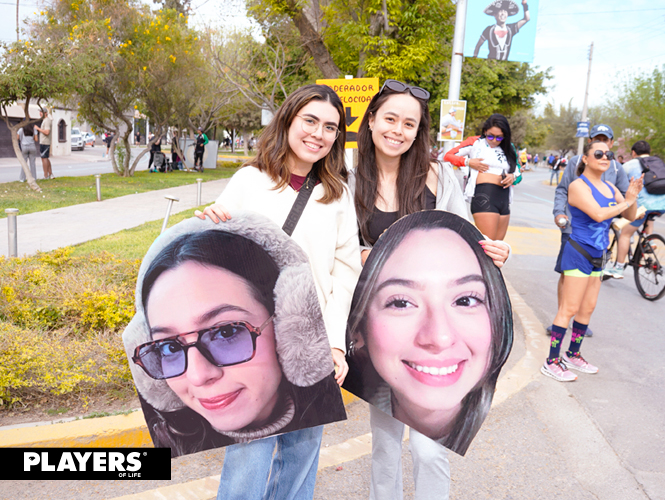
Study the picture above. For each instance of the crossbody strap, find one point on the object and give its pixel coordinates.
(597, 262)
(299, 205)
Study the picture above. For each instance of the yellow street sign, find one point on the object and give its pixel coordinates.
(355, 95)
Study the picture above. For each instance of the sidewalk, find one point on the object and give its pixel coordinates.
(44, 231)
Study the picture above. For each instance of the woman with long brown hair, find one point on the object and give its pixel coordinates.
(303, 147)
(396, 177)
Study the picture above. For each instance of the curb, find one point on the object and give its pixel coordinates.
(119, 431)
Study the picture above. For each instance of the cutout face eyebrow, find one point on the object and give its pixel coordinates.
(470, 278)
(202, 319)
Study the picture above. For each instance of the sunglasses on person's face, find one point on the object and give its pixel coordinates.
(497, 138)
(222, 345)
(598, 154)
(397, 86)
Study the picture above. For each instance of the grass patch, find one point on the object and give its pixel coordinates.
(67, 191)
(59, 411)
(130, 243)
(100, 414)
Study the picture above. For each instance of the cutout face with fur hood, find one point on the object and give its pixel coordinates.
(201, 283)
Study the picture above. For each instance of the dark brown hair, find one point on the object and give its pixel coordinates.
(413, 167)
(587, 147)
(273, 146)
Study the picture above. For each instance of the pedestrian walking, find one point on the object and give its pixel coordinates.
(28, 142)
(44, 130)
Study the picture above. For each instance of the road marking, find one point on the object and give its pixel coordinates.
(534, 241)
(538, 198)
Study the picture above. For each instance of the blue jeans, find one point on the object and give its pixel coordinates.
(275, 468)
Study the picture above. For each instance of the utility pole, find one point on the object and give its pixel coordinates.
(457, 60)
(17, 20)
(580, 143)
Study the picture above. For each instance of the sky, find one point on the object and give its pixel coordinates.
(628, 37)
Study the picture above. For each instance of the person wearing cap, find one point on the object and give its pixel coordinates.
(614, 175)
(451, 126)
(199, 149)
(500, 36)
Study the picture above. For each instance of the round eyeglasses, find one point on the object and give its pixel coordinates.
(310, 125)
(227, 344)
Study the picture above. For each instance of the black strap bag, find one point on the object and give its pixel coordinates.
(299, 205)
(654, 174)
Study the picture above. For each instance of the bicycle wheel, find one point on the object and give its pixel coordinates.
(649, 267)
(612, 250)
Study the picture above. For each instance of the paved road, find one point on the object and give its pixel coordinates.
(600, 437)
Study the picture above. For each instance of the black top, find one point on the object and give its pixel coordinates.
(381, 221)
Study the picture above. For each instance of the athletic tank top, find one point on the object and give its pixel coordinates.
(586, 230)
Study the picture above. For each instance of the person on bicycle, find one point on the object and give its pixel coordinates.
(593, 204)
(614, 174)
(654, 203)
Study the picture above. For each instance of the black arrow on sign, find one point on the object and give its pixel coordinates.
(350, 119)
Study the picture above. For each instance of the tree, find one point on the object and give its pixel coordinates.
(40, 71)
(240, 114)
(641, 107)
(103, 30)
(562, 127)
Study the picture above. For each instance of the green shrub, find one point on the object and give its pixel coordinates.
(229, 164)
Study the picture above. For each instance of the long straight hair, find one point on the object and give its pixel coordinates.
(476, 404)
(413, 167)
(273, 146)
(497, 120)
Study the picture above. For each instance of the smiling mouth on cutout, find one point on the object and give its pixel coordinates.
(441, 376)
(393, 142)
(312, 146)
(219, 402)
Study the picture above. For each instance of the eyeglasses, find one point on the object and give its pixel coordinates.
(497, 138)
(222, 345)
(397, 86)
(598, 154)
(311, 125)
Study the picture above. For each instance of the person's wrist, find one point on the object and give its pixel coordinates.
(467, 161)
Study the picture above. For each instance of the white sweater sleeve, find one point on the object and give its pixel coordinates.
(234, 193)
(345, 273)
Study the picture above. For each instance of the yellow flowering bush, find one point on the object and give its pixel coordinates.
(55, 303)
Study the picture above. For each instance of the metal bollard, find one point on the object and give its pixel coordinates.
(198, 192)
(168, 210)
(12, 213)
(98, 182)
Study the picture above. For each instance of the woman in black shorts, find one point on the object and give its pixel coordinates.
(494, 169)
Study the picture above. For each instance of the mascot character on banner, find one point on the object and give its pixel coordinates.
(228, 343)
(502, 40)
(430, 328)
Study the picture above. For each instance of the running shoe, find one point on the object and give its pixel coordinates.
(614, 272)
(558, 371)
(577, 362)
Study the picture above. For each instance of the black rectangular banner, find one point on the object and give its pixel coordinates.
(85, 463)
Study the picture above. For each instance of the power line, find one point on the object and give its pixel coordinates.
(597, 12)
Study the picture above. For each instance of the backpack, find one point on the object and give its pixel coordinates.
(654, 174)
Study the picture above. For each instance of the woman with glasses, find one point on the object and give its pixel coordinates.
(395, 176)
(242, 354)
(593, 204)
(494, 169)
(302, 147)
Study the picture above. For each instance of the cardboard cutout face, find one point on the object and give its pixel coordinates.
(430, 327)
(228, 343)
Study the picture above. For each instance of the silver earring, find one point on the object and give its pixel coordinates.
(352, 345)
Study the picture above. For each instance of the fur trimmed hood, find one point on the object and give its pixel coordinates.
(302, 345)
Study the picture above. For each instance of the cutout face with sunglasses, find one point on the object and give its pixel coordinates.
(214, 345)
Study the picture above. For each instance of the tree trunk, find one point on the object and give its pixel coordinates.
(312, 41)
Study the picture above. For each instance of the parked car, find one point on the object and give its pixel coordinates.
(89, 139)
(77, 140)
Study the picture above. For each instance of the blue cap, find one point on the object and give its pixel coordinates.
(605, 130)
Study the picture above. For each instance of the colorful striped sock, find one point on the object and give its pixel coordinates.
(576, 338)
(558, 333)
